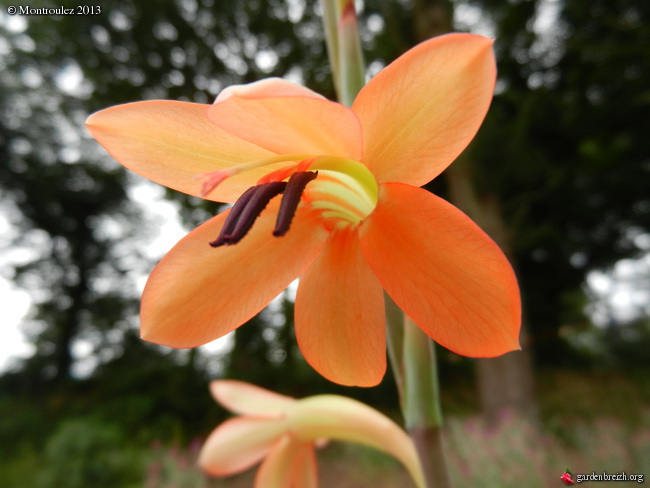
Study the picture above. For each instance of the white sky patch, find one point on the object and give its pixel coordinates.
(374, 68)
(547, 15)
(472, 19)
(151, 198)
(15, 305)
(550, 29)
(14, 302)
(13, 23)
(622, 294)
(266, 60)
(296, 9)
(31, 77)
(71, 81)
(375, 23)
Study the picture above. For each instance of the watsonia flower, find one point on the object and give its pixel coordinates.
(351, 221)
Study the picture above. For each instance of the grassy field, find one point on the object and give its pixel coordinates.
(590, 423)
(513, 454)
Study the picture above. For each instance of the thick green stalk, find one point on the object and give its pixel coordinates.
(421, 404)
(395, 343)
(420, 379)
(330, 22)
(413, 360)
(344, 48)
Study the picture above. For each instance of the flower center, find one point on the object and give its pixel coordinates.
(344, 191)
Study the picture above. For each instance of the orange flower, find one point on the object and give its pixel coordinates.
(283, 432)
(351, 222)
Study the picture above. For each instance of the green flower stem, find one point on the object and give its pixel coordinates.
(420, 379)
(344, 48)
(330, 22)
(395, 343)
(413, 360)
(421, 404)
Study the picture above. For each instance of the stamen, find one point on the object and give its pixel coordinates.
(233, 216)
(290, 199)
(260, 197)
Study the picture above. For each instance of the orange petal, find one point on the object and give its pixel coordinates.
(306, 468)
(420, 112)
(290, 125)
(269, 87)
(345, 419)
(172, 143)
(290, 464)
(339, 313)
(239, 443)
(443, 271)
(197, 293)
(246, 399)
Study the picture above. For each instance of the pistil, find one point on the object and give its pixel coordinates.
(215, 178)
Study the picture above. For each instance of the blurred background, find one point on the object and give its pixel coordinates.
(558, 175)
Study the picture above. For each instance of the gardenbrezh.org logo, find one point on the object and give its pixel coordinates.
(579, 478)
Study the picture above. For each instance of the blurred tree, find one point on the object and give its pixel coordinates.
(560, 164)
(571, 165)
(561, 155)
(71, 211)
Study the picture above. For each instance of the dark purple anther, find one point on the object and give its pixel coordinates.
(233, 216)
(255, 200)
(291, 199)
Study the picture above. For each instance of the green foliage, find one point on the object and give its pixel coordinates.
(78, 453)
(505, 455)
(23, 421)
(60, 199)
(175, 467)
(84, 453)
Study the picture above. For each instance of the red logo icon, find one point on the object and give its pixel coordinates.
(566, 477)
